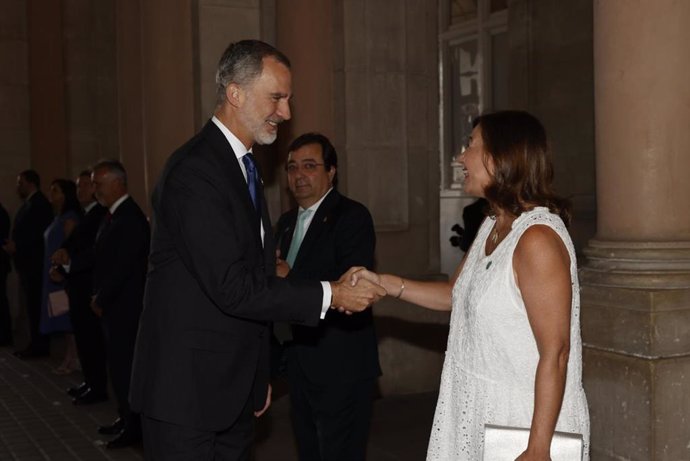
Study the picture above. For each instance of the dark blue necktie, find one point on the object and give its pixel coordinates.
(252, 178)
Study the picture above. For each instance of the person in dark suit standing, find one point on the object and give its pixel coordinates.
(331, 368)
(77, 258)
(5, 268)
(201, 366)
(26, 246)
(119, 275)
(472, 216)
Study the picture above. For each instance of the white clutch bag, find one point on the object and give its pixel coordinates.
(58, 303)
(503, 443)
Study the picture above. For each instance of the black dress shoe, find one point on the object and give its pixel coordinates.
(90, 397)
(76, 391)
(112, 429)
(126, 438)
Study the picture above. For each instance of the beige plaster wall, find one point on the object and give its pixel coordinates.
(552, 76)
(386, 112)
(220, 22)
(57, 89)
(14, 100)
(15, 150)
(89, 82)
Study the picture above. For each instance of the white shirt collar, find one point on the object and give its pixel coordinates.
(237, 146)
(240, 151)
(90, 206)
(117, 203)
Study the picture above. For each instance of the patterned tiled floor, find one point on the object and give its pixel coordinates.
(39, 422)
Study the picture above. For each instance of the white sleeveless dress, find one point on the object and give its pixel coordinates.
(491, 358)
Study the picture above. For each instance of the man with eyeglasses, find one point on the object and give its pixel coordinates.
(331, 368)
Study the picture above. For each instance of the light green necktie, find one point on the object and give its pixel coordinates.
(297, 238)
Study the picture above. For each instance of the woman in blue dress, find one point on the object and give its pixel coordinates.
(63, 198)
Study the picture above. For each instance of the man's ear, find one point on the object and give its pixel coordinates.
(234, 94)
(331, 175)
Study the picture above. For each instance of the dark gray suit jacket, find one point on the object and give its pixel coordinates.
(341, 348)
(31, 220)
(203, 344)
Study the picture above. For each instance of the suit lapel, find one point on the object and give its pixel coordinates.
(227, 158)
(285, 235)
(106, 227)
(319, 222)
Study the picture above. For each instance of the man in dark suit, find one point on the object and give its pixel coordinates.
(119, 275)
(5, 268)
(331, 368)
(26, 245)
(202, 357)
(76, 256)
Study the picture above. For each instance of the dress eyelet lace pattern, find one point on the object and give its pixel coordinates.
(491, 357)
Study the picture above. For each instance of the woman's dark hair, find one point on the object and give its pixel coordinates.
(523, 170)
(69, 190)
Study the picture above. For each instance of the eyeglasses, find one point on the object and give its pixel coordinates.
(308, 167)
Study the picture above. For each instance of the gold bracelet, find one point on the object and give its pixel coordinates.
(402, 288)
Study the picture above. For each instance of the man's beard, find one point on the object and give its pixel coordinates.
(257, 128)
(264, 138)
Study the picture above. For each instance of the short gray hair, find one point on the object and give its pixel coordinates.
(113, 167)
(242, 62)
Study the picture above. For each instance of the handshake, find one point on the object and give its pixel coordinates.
(356, 290)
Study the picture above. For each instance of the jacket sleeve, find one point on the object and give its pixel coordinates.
(355, 239)
(128, 261)
(206, 225)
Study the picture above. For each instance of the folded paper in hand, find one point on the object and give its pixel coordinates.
(503, 443)
(58, 303)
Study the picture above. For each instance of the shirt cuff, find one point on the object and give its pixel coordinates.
(326, 303)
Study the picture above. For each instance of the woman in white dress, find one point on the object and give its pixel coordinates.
(514, 354)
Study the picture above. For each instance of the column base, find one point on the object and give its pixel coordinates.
(635, 316)
(639, 408)
(662, 265)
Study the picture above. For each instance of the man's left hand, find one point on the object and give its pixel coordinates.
(282, 267)
(96, 308)
(268, 403)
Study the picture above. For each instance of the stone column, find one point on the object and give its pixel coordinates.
(636, 282)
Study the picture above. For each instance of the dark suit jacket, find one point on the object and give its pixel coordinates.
(80, 246)
(4, 235)
(341, 235)
(472, 216)
(203, 344)
(120, 262)
(31, 220)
